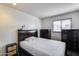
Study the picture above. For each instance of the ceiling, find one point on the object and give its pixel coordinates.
(44, 9)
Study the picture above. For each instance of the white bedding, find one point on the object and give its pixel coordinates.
(43, 47)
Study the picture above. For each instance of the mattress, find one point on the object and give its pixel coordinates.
(43, 47)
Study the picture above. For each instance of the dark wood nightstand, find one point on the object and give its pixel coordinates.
(11, 49)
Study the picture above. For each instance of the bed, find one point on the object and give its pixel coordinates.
(40, 46)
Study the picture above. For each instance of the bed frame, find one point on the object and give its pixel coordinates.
(22, 34)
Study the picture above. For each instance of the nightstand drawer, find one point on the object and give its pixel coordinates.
(12, 53)
(11, 48)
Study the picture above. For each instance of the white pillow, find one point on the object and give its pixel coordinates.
(30, 38)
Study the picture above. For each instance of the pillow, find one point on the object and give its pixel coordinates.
(30, 38)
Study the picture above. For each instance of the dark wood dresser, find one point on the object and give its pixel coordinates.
(71, 38)
(45, 33)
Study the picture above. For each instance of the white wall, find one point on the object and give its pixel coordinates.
(10, 21)
(47, 23)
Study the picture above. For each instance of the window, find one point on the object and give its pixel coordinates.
(66, 24)
(61, 24)
(57, 26)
